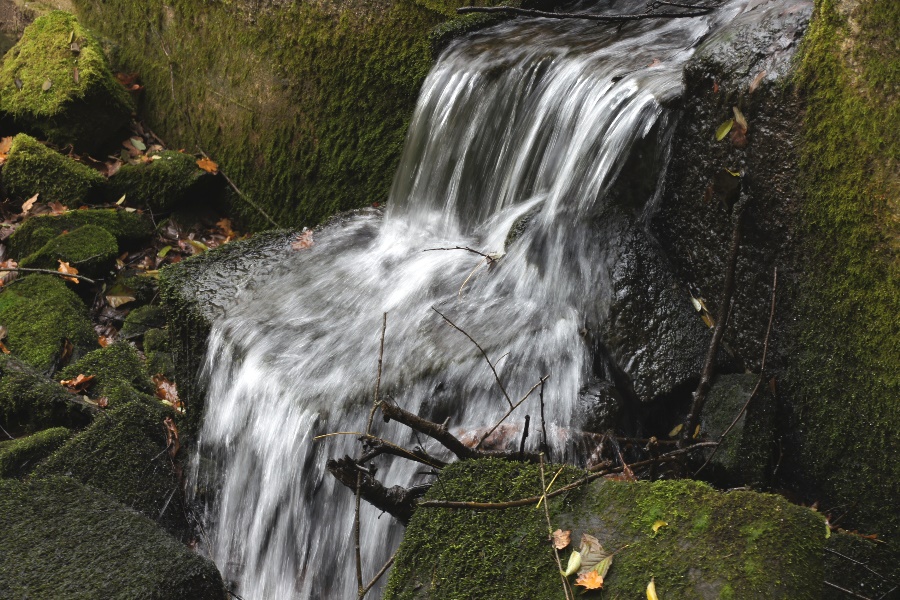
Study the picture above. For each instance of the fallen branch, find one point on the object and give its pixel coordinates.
(46, 272)
(510, 411)
(466, 248)
(378, 575)
(397, 501)
(703, 10)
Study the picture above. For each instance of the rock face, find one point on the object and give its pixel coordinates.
(714, 545)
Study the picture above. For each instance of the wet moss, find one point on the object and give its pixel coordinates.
(123, 453)
(18, 457)
(30, 402)
(156, 348)
(161, 185)
(65, 540)
(33, 168)
(90, 249)
(83, 103)
(112, 367)
(141, 319)
(131, 229)
(40, 314)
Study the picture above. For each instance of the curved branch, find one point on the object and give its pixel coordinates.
(584, 16)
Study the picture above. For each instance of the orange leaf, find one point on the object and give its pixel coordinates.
(304, 240)
(57, 208)
(67, 269)
(103, 402)
(78, 384)
(590, 580)
(561, 539)
(208, 165)
(3, 348)
(104, 341)
(172, 442)
(167, 392)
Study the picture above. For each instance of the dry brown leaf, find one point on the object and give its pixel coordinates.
(117, 300)
(8, 276)
(172, 442)
(67, 350)
(78, 384)
(561, 539)
(304, 240)
(57, 208)
(103, 402)
(224, 226)
(208, 165)
(592, 553)
(67, 269)
(167, 392)
(105, 340)
(29, 204)
(590, 580)
(757, 80)
(3, 348)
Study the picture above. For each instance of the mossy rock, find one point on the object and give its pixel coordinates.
(114, 366)
(141, 319)
(33, 168)
(123, 453)
(864, 566)
(83, 105)
(40, 314)
(19, 457)
(169, 180)
(159, 357)
(715, 545)
(64, 540)
(131, 229)
(30, 402)
(90, 249)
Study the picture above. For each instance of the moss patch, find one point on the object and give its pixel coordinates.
(114, 366)
(161, 185)
(63, 540)
(32, 168)
(756, 543)
(141, 319)
(18, 457)
(130, 229)
(123, 454)
(845, 379)
(30, 402)
(40, 314)
(83, 103)
(90, 249)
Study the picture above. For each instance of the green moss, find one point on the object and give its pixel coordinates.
(114, 366)
(33, 168)
(41, 313)
(19, 457)
(30, 402)
(90, 249)
(162, 184)
(74, 109)
(757, 543)
(861, 565)
(123, 454)
(141, 319)
(156, 348)
(845, 378)
(64, 540)
(131, 229)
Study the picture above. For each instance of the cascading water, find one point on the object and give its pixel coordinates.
(523, 127)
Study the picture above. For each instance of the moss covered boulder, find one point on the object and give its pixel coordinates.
(131, 229)
(123, 453)
(19, 457)
(714, 545)
(56, 81)
(158, 352)
(113, 368)
(30, 402)
(33, 168)
(141, 319)
(90, 249)
(169, 180)
(64, 540)
(42, 317)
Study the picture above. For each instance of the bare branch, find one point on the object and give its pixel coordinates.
(701, 10)
(510, 411)
(397, 501)
(550, 530)
(46, 272)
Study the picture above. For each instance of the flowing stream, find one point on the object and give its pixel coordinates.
(523, 127)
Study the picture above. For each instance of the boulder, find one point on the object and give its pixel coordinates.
(141, 319)
(165, 183)
(64, 540)
(112, 367)
(33, 168)
(30, 402)
(19, 457)
(56, 81)
(90, 249)
(158, 352)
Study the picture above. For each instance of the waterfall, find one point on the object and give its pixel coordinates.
(521, 128)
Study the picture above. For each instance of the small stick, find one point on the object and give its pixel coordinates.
(510, 411)
(759, 381)
(586, 16)
(243, 196)
(46, 272)
(524, 436)
(483, 353)
(550, 529)
(544, 446)
(846, 591)
(466, 248)
(378, 575)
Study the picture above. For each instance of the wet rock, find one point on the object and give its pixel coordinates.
(56, 81)
(65, 540)
(19, 457)
(165, 183)
(33, 168)
(112, 367)
(130, 229)
(599, 407)
(714, 545)
(90, 249)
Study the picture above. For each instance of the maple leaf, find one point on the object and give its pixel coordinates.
(78, 384)
(561, 539)
(590, 580)
(304, 240)
(67, 269)
(207, 165)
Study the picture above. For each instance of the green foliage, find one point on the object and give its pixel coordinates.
(74, 109)
(64, 540)
(40, 314)
(130, 229)
(33, 168)
(162, 184)
(30, 402)
(90, 249)
(112, 367)
(18, 457)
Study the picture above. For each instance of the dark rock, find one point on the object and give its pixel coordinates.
(169, 180)
(90, 249)
(30, 402)
(20, 456)
(112, 367)
(130, 229)
(141, 319)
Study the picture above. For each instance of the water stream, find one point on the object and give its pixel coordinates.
(522, 127)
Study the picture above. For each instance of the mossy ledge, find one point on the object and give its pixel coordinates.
(131, 229)
(18, 457)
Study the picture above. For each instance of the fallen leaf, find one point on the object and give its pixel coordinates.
(561, 539)
(723, 129)
(3, 348)
(657, 525)
(75, 76)
(103, 402)
(739, 119)
(757, 80)
(715, 87)
(651, 590)
(78, 384)
(707, 318)
(304, 240)
(138, 143)
(67, 350)
(733, 173)
(3, 332)
(121, 200)
(198, 246)
(57, 208)
(8, 276)
(46, 85)
(208, 165)
(105, 341)
(696, 432)
(592, 553)
(67, 269)
(574, 563)
(590, 580)
(29, 204)
(5, 145)
(167, 392)
(676, 430)
(224, 226)
(163, 251)
(172, 442)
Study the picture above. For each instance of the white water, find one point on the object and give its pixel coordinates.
(523, 119)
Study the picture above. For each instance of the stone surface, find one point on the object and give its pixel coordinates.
(90, 249)
(167, 182)
(130, 229)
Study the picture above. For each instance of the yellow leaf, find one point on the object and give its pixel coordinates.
(651, 590)
(696, 432)
(590, 580)
(561, 539)
(208, 165)
(723, 129)
(574, 563)
(733, 173)
(603, 566)
(676, 430)
(67, 269)
(121, 200)
(707, 318)
(657, 525)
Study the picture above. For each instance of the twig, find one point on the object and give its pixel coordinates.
(510, 411)
(759, 381)
(432, 430)
(397, 501)
(846, 591)
(544, 446)
(702, 392)
(466, 248)
(483, 353)
(586, 16)
(550, 529)
(243, 196)
(524, 435)
(47, 272)
(6, 432)
(860, 563)
(378, 575)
